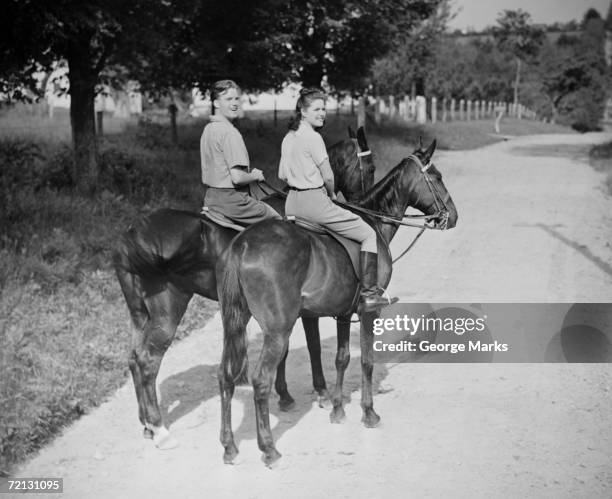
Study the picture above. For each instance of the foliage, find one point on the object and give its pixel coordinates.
(414, 59)
(516, 35)
(478, 70)
(575, 77)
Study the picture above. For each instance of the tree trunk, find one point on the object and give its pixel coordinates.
(83, 79)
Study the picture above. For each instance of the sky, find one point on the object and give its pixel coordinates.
(478, 14)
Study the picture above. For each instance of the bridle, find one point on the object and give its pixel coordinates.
(442, 211)
(361, 154)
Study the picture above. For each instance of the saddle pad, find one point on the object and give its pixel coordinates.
(221, 219)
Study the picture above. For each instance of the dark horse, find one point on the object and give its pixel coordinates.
(165, 259)
(277, 271)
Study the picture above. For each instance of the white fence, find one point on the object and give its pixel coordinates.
(423, 110)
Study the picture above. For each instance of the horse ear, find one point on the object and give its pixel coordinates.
(351, 133)
(430, 150)
(361, 139)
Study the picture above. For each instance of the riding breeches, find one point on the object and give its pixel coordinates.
(238, 206)
(314, 205)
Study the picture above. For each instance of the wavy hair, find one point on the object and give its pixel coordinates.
(219, 87)
(306, 98)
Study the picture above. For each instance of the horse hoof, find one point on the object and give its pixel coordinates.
(270, 458)
(148, 434)
(337, 415)
(231, 451)
(324, 400)
(371, 419)
(164, 440)
(286, 404)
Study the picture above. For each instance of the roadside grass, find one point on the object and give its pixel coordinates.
(64, 326)
(600, 157)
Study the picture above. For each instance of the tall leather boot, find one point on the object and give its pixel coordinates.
(371, 299)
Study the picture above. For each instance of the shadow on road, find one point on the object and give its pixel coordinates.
(183, 392)
(580, 248)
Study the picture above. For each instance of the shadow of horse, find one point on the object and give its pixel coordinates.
(184, 392)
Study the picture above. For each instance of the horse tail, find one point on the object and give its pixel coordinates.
(235, 315)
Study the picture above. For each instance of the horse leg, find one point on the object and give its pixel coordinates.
(343, 356)
(273, 349)
(313, 340)
(134, 298)
(370, 419)
(286, 401)
(227, 382)
(165, 312)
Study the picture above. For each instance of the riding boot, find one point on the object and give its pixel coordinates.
(371, 299)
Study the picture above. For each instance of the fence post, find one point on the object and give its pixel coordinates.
(461, 110)
(468, 110)
(452, 109)
(476, 110)
(361, 113)
(421, 110)
(377, 107)
(500, 112)
(406, 107)
(444, 109)
(392, 109)
(434, 109)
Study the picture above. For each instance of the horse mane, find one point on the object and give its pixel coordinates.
(380, 196)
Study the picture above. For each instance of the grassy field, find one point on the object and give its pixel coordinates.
(64, 327)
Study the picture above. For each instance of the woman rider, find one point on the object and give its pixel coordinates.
(225, 161)
(304, 165)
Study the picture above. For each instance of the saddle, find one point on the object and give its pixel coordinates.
(220, 219)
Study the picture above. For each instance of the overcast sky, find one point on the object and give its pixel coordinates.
(478, 14)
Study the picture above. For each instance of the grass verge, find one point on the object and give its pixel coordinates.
(601, 158)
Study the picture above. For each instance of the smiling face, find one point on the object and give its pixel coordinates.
(314, 114)
(228, 103)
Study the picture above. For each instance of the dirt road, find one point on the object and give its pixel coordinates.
(534, 226)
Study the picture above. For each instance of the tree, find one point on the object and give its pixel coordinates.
(574, 75)
(339, 39)
(410, 63)
(515, 34)
(164, 44)
(36, 33)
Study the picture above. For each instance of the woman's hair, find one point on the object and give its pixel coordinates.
(307, 96)
(218, 88)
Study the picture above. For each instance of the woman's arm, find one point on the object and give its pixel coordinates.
(240, 175)
(328, 177)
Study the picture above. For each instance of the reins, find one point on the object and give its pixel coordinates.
(441, 208)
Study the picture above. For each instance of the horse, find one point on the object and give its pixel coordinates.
(276, 272)
(167, 257)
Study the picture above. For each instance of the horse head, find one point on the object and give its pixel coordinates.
(354, 159)
(432, 197)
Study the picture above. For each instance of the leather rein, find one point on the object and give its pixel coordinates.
(442, 212)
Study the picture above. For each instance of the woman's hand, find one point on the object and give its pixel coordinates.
(258, 174)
